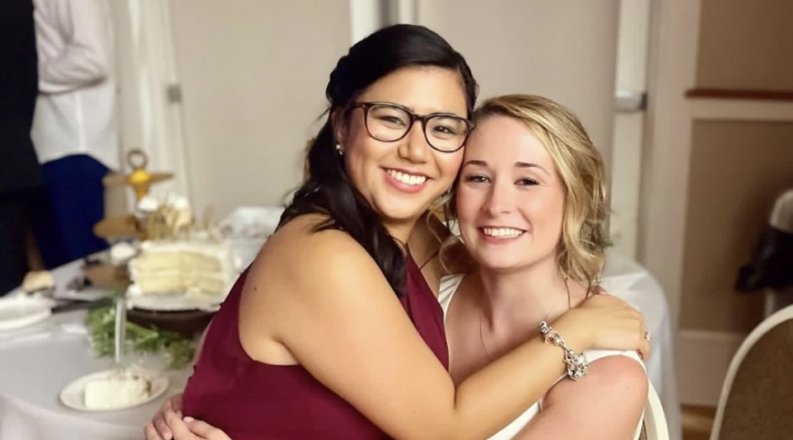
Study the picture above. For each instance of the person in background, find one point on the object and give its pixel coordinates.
(74, 128)
(20, 171)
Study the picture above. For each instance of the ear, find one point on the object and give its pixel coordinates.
(340, 126)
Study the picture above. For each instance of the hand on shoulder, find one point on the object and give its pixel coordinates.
(604, 322)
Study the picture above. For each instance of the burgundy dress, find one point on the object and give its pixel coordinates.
(249, 399)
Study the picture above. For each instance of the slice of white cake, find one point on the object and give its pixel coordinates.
(196, 267)
(118, 390)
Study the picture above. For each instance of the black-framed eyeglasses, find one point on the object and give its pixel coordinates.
(389, 122)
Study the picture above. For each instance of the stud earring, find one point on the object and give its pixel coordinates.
(339, 150)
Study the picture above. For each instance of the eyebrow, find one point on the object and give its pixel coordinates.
(413, 110)
(530, 165)
(480, 163)
(483, 163)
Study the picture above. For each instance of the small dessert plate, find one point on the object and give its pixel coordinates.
(22, 310)
(73, 394)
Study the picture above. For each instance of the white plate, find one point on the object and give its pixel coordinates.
(85, 294)
(23, 310)
(73, 395)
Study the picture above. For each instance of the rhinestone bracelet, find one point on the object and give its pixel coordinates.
(576, 363)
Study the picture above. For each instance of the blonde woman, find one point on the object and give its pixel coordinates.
(531, 206)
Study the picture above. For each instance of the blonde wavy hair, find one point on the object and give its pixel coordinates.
(581, 249)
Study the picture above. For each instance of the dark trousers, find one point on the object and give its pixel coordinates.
(72, 202)
(13, 256)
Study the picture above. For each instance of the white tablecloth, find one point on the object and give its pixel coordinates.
(38, 361)
(630, 281)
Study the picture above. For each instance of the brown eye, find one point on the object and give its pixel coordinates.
(527, 182)
(477, 178)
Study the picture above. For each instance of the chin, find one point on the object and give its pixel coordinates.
(497, 263)
(400, 210)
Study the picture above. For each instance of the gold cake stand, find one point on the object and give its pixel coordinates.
(140, 180)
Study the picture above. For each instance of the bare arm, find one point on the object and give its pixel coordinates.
(605, 405)
(374, 357)
(332, 311)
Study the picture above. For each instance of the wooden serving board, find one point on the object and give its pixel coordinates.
(125, 226)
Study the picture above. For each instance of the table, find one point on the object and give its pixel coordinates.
(38, 361)
(630, 281)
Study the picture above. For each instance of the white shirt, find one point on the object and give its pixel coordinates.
(75, 109)
(448, 288)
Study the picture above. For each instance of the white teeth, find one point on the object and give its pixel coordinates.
(502, 232)
(407, 179)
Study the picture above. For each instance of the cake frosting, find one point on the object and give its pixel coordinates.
(193, 267)
(118, 390)
(38, 280)
(121, 253)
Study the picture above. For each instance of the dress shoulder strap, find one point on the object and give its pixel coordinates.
(447, 289)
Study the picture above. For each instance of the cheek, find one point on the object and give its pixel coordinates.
(356, 142)
(354, 133)
(359, 150)
(468, 204)
(466, 216)
(449, 166)
(549, 211)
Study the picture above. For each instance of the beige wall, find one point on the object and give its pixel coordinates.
(737, 170)
(746, 44)
(711, 169)
(253, 75)
(563, 50)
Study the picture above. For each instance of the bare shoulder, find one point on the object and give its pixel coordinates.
(304, 231)
(300, 276)
(619, 378)
(618, 371)
(298, 252)
(606, 404)
(301, 264)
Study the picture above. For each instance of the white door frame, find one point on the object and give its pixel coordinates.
(673, 58)
(702, 356)
(150, 95)
(626, 150)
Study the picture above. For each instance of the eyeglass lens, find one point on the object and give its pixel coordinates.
(389, 123)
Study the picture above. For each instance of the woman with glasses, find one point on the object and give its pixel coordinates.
(333, 332)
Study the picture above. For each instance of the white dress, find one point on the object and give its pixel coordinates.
(448, 288)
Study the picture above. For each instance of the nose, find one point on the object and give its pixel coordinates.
(500, 199)
(414, 145)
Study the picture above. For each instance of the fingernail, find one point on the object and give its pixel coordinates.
(188, 419)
